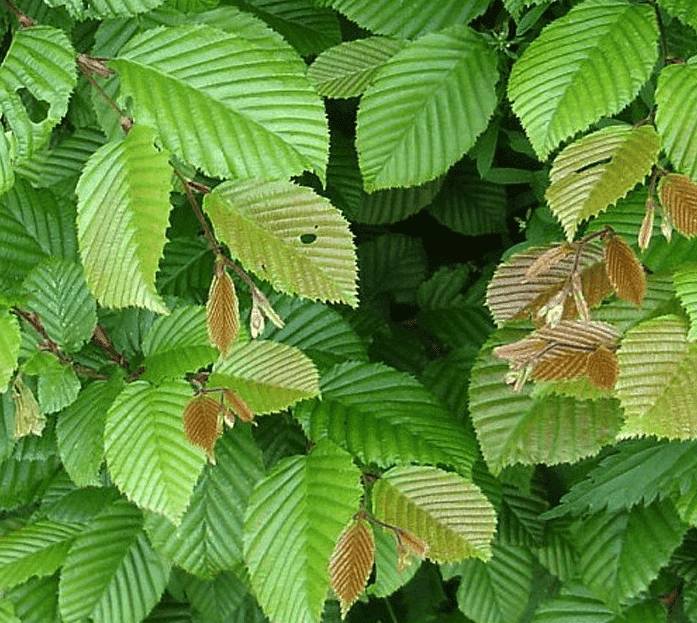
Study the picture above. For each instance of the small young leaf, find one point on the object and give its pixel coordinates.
(202, 423)
(10, 340)
(679, 199)
(29, 420)
(603, 368)
(624, 271)
(222, 311)
(238, 406)
(352, 561)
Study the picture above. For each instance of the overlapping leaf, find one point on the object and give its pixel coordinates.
(123, 209)
(684, 10)
(177, 344)
(384, 416)
(295, 515)
(591, 174)
(269, 376)
(685, 280)
(106, 8)
(450, 514)
(123, 582)
(409, 20)
(288, 235)
(209, 538)
(263, 118)
(657, 381)
(389, 575)
(432, 98)
(58, 385)
(148, 456)
(348, 69)
(679, 199)
(624, 271)
(586, 65)
(58, 293)
(203, 423)
(676, 92)
(10, 339)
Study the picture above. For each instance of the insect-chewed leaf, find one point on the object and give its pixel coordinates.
(527, 281)
(28, 417)
(239, 406)
(624, 270)
(202, 423)
(679, 198)
(222, 312)
(352, 562)
(603, 368)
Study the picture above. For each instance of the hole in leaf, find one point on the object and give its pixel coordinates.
(36, 109)
(308, 238)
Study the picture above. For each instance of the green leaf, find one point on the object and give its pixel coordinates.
(105, 8)
(80, 431)
(426, 108)
(520, 428)
(34, 550)
(385, 417)
(58, 293)
(349, 68)
(58, 384)
(468, 204)
(288, 235)
(676, 92)
(410, 19)
(294, 517)
(685, 281)
(496, 591)
(186, 269)
(40, 60)
(112, 573)
(614, 560)
(36, 601)
(10, 340)
(657, 381)
(388, 575)
(591, 174)
(450, 514)
(573, 604)
(123, 209)
(684, 10)
(584, 66)
(268, 375)
(148, 456)
(177, 344)
(209, 538)
(263, 117)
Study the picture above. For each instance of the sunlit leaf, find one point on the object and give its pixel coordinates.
(222, 311)
(203, 423)
(10, 340)
(679, 199)
(624, 271)
(29, 420)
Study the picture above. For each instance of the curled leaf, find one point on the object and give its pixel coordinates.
(222, 311)
(646, 229)
(28, 417)
(679, 199)
(624, 270)
(202, 423)
(351, 562)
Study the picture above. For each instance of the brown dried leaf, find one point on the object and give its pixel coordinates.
(679, 198)
(568, 366)
(547, 259)
(222, 311)
(351, 562)
(202, 423)
(603, 368)
(520, 351)
(624, 270)
(28, 417)
(239, 406)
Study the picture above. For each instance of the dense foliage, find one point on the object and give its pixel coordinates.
(374, 309)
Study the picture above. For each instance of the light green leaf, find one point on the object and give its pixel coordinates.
(349, 68)
(41, 60)
(573, 604)
(657, 380)
(177, 344)
(7, 611)
(105, 8)
(496, 591)
(148, 456)
(294, 517)
(614, 560)
(685, 281)
(10, 340)
(36, 601)
(408, 19)
(209, 538)
(450, 514)
(586, 65)
(269, 376)
(58, 384)
(676, 92)
(57, 292)
(80, 431)
(263, 118)
(112, 573)
(34, 550)
(388, 575)
(426, 108)
(518, 428)
(123, 210)
(288, 235)
(385, 417)
(591, 174)
(684, 10)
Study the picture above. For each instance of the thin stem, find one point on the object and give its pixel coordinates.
(196, 208)
(24, 20)
(112, 104)
(390, 610)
